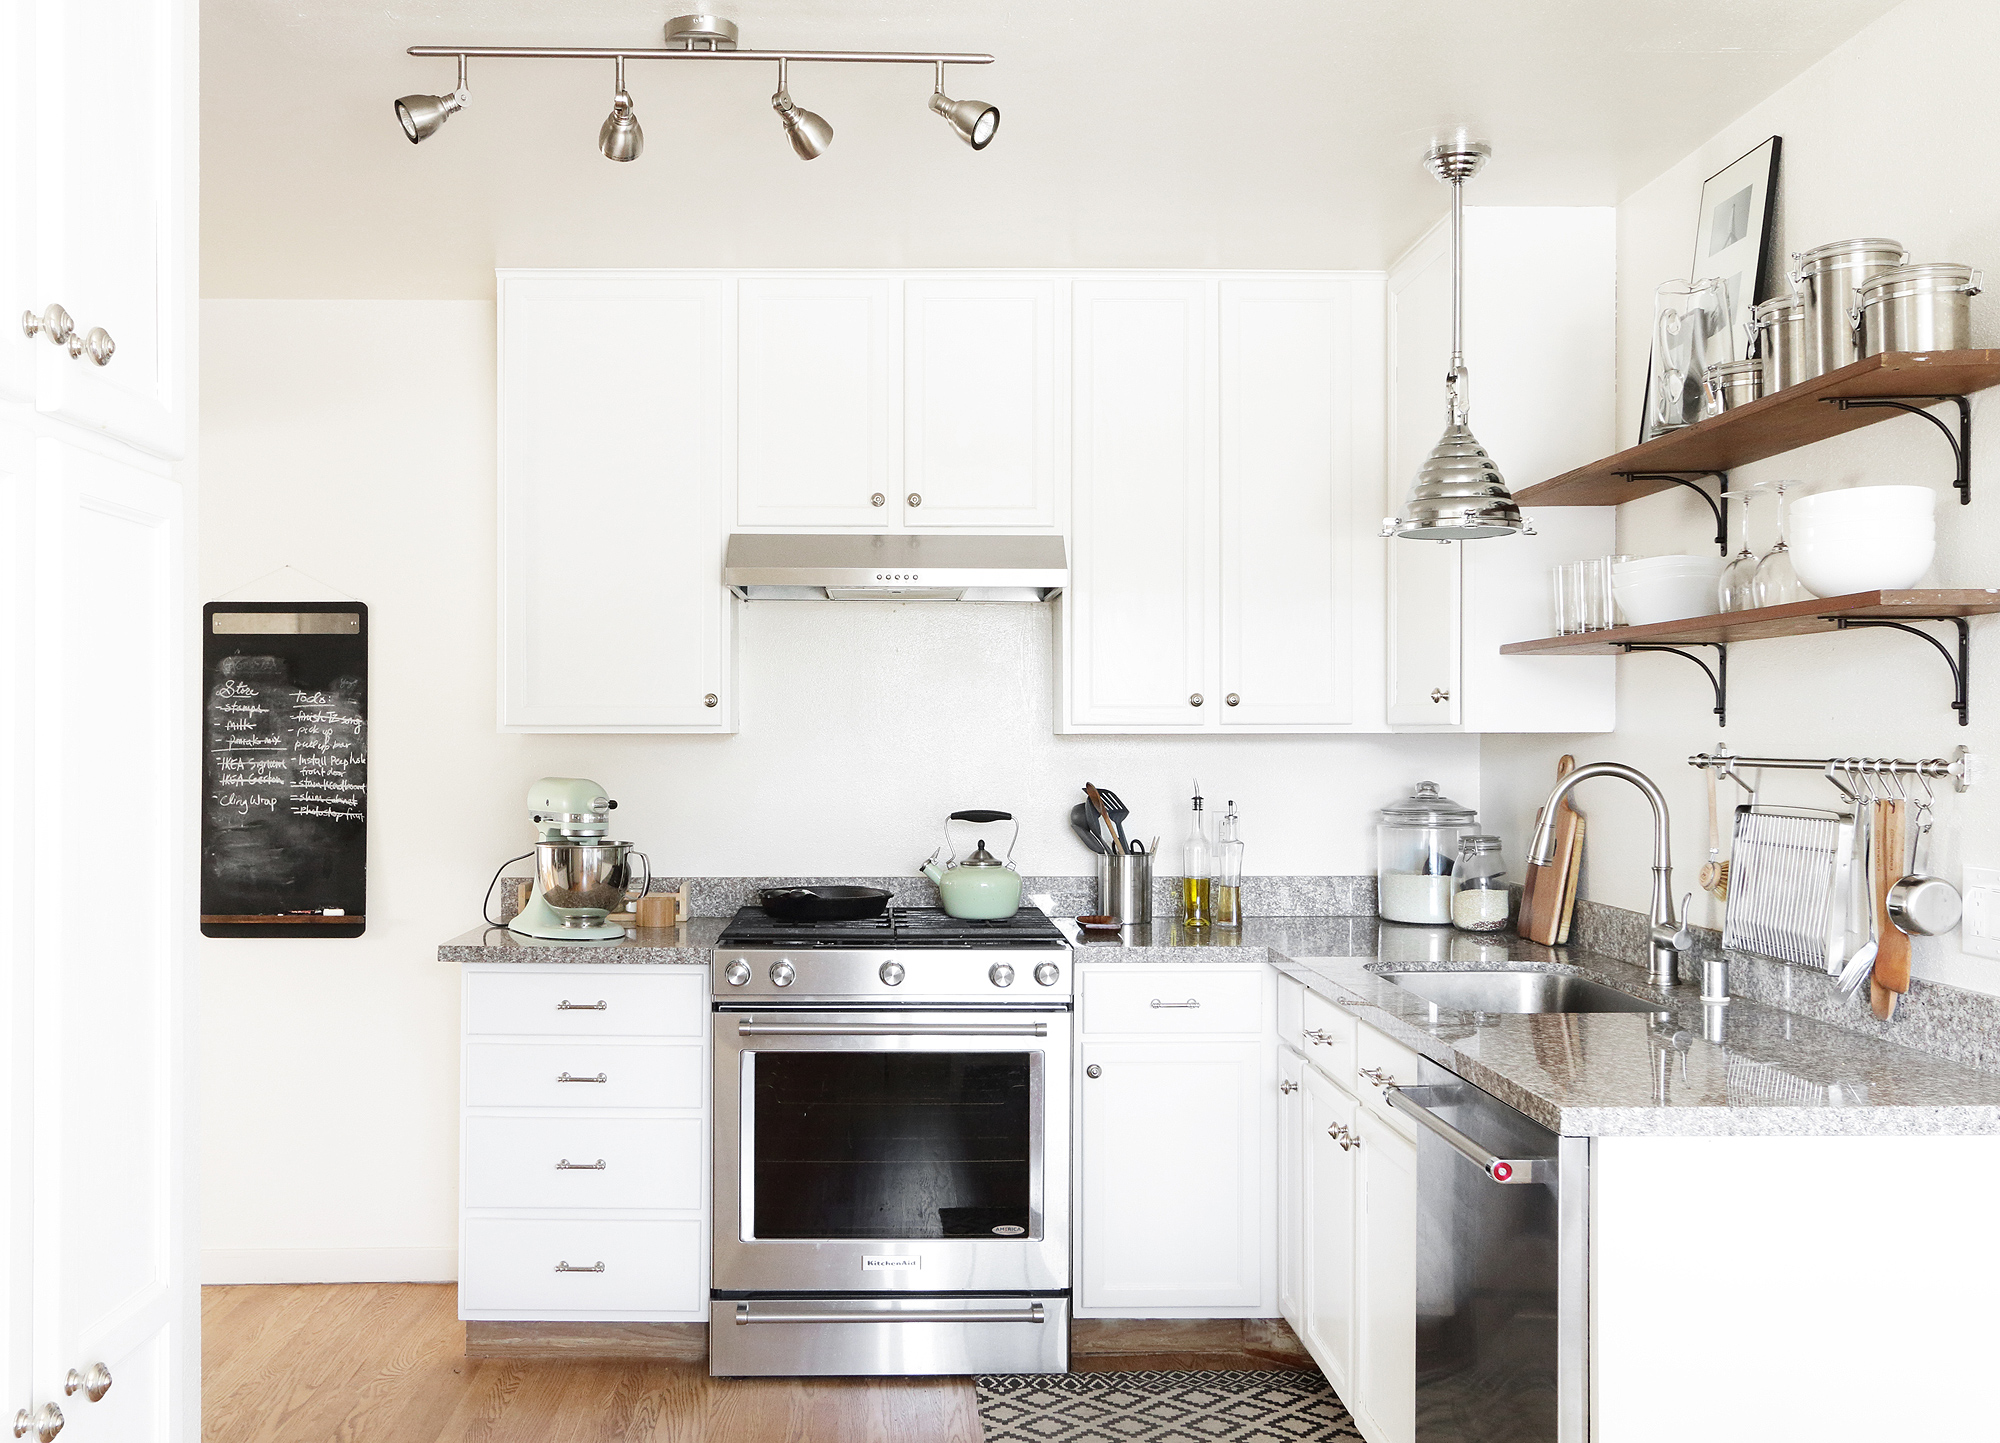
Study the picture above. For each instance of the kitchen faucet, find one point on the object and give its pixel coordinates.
(1670, 938)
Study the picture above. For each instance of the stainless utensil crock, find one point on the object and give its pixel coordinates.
(1829, 277)
(1924, 307)
(1125, 887)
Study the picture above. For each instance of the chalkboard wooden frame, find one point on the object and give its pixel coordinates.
(284, 808)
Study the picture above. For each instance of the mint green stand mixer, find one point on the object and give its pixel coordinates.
(580, 877)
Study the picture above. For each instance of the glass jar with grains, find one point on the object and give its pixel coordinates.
(1480, 896)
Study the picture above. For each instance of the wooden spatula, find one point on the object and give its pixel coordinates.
(1542, 894)
(1892, 956)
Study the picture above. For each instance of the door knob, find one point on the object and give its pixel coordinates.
(55, 320)
(1194, 699)
(95, 343)
(710, 700)
(94, 1384)
(1093, 1071)
(1233, 699)
(1440, 695)
(878, 499)
(915, 499)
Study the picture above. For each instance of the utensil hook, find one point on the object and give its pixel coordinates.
(1834, 765)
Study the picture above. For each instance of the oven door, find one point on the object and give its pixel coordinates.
(891, 1152)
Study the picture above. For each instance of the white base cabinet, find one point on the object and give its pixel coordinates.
(583, 1141)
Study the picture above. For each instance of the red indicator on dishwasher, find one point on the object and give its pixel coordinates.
(1502, 1171)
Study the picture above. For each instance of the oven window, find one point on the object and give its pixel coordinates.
(891, 1145)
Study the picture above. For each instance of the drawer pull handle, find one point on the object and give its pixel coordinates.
(567, 1078)
(1288, 1086)
(1319, 1039)
(567, 1166)
(564, 1267)
(1033, 1313)
(1189, 1003)
(1348, 1140)
(1379, 1076)
(568, 1006)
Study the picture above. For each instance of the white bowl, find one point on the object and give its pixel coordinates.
(1651, 565)
(1866, 503)
(1839, 556)
(1674, 597)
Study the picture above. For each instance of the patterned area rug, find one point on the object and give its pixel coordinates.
(1273, 1407)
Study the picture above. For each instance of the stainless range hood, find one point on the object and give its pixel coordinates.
(768, 567)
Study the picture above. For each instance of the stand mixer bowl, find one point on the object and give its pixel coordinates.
(584, 881)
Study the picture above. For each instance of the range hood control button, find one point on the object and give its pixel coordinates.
(1001, 975)
(1047, 974)
(782, 974)
(891, 973)
(736, 973)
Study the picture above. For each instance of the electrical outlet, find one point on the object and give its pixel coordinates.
(1979, 932)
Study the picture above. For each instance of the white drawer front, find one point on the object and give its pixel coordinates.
(582, 1074)
(510, 1264)
(1396, 1062)
(511, 1162)
(593, 1003)
(1328, 1039)
(1174, 999)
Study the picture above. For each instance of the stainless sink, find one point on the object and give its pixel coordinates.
(1517, 992)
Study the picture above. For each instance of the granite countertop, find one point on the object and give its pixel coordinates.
(1742, 1069)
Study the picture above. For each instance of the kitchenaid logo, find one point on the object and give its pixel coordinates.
(875, 1263)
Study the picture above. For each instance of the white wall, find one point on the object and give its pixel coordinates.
(1874, 144)
(354, 441)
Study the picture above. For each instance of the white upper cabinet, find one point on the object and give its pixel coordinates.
(612, 503)
(815, 376)
(1541, 359)
(1137, 619)
(983, 387)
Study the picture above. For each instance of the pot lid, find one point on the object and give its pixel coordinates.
(1428, 807)
(981, 857)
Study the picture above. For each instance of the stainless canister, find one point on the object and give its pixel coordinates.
(1830, 277)
(1125, 887)
(1917, 308)
(1778, 331)
(1731, 384)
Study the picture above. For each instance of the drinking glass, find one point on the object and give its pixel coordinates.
(1737, 590)
(1776, 582)
(1596, 589)
(1568, 598)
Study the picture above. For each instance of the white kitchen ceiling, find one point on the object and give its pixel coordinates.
(1135, 132)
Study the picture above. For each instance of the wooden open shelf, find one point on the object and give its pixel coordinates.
(1796, 619)
(1796, 416)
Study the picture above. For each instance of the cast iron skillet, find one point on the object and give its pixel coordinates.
(823, 904)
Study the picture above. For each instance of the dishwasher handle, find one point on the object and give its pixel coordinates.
(1500, 1169)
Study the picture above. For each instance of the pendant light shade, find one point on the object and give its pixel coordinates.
(620, 137)
(809, 134)
(422, 115)
(1459, 494)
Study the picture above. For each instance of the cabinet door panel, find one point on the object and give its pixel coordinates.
(814, 403)
(611, 505)
(1173, 1174)
(1424, 641)
(1386, 1359)
(1286, 502)
(20, 288)
(980, 403)
(1291, 1188)
(1137, 624)
(1329, 1233)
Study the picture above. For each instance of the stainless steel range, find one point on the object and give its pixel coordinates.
(892, 1105)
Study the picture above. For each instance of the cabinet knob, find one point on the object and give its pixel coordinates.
(1093, 1071)
(1381, 1077)
(59, 327)
(1348, 1140)
(1318, 1038)
(914, 499)
(1288, 1086)
(95, 343)
(710, 700)
(48, 1422)
(878, 499)
(1232, 699)
(1440, 695)
(1194, 699)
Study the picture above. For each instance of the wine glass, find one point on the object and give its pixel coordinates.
(1736, 590)
(1776, 583)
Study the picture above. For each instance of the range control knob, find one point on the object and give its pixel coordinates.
(782, 974)
(736, 973)
(891, 973)
(1047, 974)
(1000, 974)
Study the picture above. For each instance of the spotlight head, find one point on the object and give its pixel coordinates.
(972, 121)
(810, 134)
(620, 137)
(422, 115)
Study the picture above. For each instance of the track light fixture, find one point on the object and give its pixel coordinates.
(421, 115)
(620, 137)
(705, 37)
(973, 121)
(810, 134)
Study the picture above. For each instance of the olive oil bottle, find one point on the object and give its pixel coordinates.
(1197, 867)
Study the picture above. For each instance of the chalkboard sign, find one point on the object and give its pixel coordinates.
(284, 818)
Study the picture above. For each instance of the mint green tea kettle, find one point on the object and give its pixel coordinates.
(983, 887)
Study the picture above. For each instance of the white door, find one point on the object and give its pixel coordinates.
(1424, 643)
(1138, 638)
(613, 612)
(1329, 1232)
(1171, 1178)
(113, 225)
(111, 743)
(1386, 1359)
(1287, 480)
(815, 393)
(982, 386)
(1291, 1187)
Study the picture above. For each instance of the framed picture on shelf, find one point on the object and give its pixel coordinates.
(1732, 237)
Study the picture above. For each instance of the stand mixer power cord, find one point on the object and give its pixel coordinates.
(486, 902)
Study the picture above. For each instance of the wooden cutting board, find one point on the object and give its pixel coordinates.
(1891, 977)
(1542, 894)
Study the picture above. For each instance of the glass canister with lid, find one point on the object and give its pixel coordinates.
(1480, 895)
(1416, 842)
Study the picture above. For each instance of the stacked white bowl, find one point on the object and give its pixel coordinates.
(1666, 588)
(1863, 538)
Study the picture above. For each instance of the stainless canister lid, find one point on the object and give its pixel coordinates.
(1929, 276)
(1789, 307)
(1839, 255)
(1735, 370)
(1428, 807)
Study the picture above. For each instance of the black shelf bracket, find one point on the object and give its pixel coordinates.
(1961, 667)
(1961, 444)
(1717, 678)
(1691, 479)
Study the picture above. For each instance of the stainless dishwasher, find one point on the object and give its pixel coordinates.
(1503, 1210)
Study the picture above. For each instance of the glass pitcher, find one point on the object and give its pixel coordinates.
(1690, 331)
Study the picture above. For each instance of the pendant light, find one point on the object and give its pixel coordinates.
(1459, 495)
(620, 137)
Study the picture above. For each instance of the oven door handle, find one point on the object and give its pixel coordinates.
(1500, 1169)
(1030, 1314)
(892, 1029)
